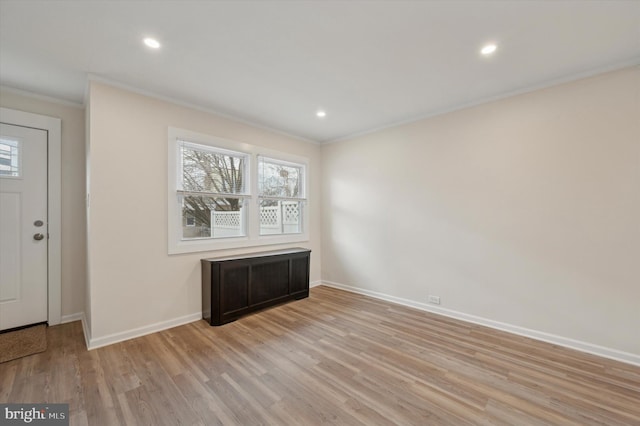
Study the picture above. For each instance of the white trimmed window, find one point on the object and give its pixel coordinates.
(224, 194)
(211, 185)
(281, 186)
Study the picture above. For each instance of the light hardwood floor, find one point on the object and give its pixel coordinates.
(335, 358)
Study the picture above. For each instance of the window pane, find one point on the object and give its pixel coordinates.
(9, 152)
(280, 180)
(210, 171)
(280, 217)
(212, 217)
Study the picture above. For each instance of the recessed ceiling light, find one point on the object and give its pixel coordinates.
(152, 43)
(488, 49)
(321, 114)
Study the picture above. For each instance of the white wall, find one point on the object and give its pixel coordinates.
(524, 211)
(133, 282)
(73, 176)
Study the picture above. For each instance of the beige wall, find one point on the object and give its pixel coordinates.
(133, 281)
(73, 176)
(524, 211)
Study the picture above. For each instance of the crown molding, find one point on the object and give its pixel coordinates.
(154, 95)
(40, 97)
(635, 62)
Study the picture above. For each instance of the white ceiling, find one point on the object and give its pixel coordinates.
(275, 63)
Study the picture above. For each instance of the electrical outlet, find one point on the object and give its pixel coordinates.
(434, 299)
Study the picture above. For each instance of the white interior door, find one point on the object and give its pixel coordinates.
(23, 226)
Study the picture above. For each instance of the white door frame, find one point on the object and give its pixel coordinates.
(54, 199)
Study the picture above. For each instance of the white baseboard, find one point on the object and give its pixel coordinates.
(86, 331)
(602, 351)
(78, 316)
(93, 343)
(136, 332)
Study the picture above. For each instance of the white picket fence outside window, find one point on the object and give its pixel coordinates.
(281, 219)
(291, 213)
(226, 224)
(270, 217)
(226, 220)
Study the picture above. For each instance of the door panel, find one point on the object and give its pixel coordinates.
(23, 241)
(10, 257)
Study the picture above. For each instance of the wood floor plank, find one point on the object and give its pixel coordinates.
(334, 358)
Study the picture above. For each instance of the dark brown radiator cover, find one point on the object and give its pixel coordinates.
(237, 285)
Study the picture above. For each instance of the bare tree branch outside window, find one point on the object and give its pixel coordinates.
(279, 180)
(206, 171)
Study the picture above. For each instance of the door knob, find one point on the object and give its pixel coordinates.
(38, 236)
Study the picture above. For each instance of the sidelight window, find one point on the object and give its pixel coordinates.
(9, 158)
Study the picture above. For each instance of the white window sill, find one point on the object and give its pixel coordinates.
(208, 244)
